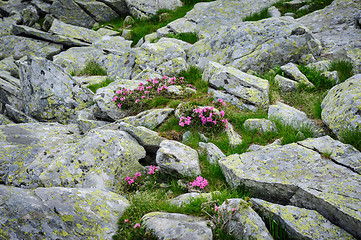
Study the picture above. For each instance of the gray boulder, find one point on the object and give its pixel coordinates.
(286, 85)
(255, 45)
(59, 213)
(19, 47)
(119, 6)
(148, 8)
(341, 109)
(10, 92)
(274, 12)
(292, 174)
(230, 98)
(8, 64)
(186, 198)
(6, 25)
(214, 154)
(243, 222)
(233, 137)
(49, 93)
(261, 125)
(115, 44)
(87, 122)
(4, 120)
(173, 67)
(300, 223)
(98, 10)
(150, 118)
(69, 12)
(322, 65)
(29, 15)
(293, 72)
(175, 158)
(17, 116)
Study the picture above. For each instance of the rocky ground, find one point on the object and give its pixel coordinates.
(65, 151)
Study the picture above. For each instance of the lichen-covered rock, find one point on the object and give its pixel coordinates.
(117, 65)
(6, 25)
(86, 121)
(186, 198)
(337, 28)
(119, 6)
(243, 222)
(300, 223)
(4, 120)
(274, 12)
(49, 93)
(151, 55)
(182, 25)
(185, 45)
(177, 226)
(293, 72)
(292, 116)
(256, 147)
(250, 89)
(175, 158)
(98, 10)
(255, 45)
(148, 8)
(150, 119)
(29, 15)
(214, 154)
(113, 43)
(59, 213)
(286, 85)
(320, 65)
(10, 92)
(17, 116)
(8, 65)
(292, 174)
(344, 154)
(341, 108)
(331, 76)
(69, 12)
(233, 137)
(19, 47)
(173, 67)
(230, 98)
(262, 125)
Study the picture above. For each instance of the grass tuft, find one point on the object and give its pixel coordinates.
(352, 136)
(94, 87)
(186, 37)
(343, 67)
(258, 16)
(92, 68)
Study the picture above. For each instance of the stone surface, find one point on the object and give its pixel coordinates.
(231, 99)
(320, 65)
(119, 6)
(233, 137)
(261, 125)
(4, 120)
(148, 8)
(292, 174)
(8, 64)
(19, 47)
(177, 226)
(69, 12)
(243, 222)
(175, 158)
(87, 122)
(274, 12)
(300, 223)
(255, 45)
(29, 15)
(98, 10)
(286, 85)
(49, 93)
(173, 67)
(17, 116)
(186, 198)
(59, 213)
(110, 43)
(10, 92)
(341, 108)
(149, 118)
(214, 154)
(293, 72)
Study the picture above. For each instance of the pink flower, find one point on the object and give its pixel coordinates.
(119, 105)
(216, 208)
(137, 174)
(136, 101)
(141, 84)
(222, 113)
(118, 92)
(233, 209)
(181, 78)
(127, 178)
(114, 98)
(181, 124)
(142, 97)
(165, 77)
(137, 225)
(152, 169)
(126, 220)
(149, 87)
(146, 92)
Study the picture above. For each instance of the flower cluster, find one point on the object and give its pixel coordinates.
(138, 99)
(199, 182)
(132, 180)
(152, 170)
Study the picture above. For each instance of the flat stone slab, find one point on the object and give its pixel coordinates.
(292, 174)
(300, 223)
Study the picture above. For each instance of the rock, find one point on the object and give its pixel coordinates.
(163, 32)
(99, 11)
(332, 76)
(48, 21)
(10, 92)
(175, 158)
(76, 32)
(33, 33)
(8, 65)
(42, 7)
(19, 47)
(30, 16)
(17, 116)
(119, 6)
(117, 44)
(127, 34)
(250, 89)
(255, 147)
(229, 98)
(343, 154)
(182, 25)
(147, 8)
(151, 37)
(274, 12)
(185, 45)
(292, 174)
(4, 120)
(106, 108)
(85, 81)
(86, 121)
(173, 67)
(214, 154)
(49, 93)
(336, 28)
(118, 65)
(186, 198)
(107, 32)
(6, 25)
(69, 12)
(12, 7)
(243, 222)
(307, 59)
(261, 125)
(146, 74)
(300, 223)
(150, 118)
(177, 226)
(128, 20)
(293, 72)
(233, 137)
(292, 116)
(257, 45)
(341, 107)
(151, 55)
(59, 213)
(286, 85)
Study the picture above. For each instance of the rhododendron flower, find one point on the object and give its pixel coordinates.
(181, 78)
(216, 208)
(119, 105)
(118, 92)
(199, 182)
(152, 169)
(233, 209)
(222, 113)
(137, 225)
(126, 220)
(136, 101)
(114, 98)
(137, 174)
(142, 97)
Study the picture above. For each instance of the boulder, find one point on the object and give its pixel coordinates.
(255, 45)
(233, 137)
(87, 122)
(341, 108)
(49, 93)
(150, 118)
(275, 144)
(186, 198)
(293, 72)
(29, 15)
(242, 221)
(8, 65)
(292, 174)
(185, 45)
(119, 6)
(175, 158)
(99, 11)
(117, 64)
(114, 44)
(336, 27)
(59, 213)
(4, 120)
(274, 12)
(69, 12)
(10, 92)
(300, 223)
(6, 25)
(261, 125)
(173, 67)
(231, 99)
(182, 25)
(17, 116)
(19, 47)
(214, 154)
(322, 65)
(177, 226)
(148, 8)
(286, 84)
(41, 6)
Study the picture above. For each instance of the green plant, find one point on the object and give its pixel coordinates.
(351, 136)
(258, 15)
(95, 86)
(186, 37)
(343, 67)
(314, 5)
(92, 68)
(316, 77)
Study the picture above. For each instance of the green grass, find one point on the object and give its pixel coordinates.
(94, 87)
(186, 37)
(92, 68)
(314, 6)
(258, 15)
(343, 67)
(352, 136)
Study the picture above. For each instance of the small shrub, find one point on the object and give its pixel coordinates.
(92, 68)
(343, 67)
(257, 16)
(352, 136)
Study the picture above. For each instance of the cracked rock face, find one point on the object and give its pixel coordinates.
(300, 176)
